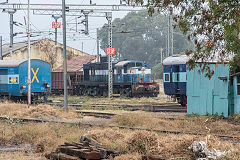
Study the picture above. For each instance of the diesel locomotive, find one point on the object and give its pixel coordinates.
(14, 77)
(130, 78)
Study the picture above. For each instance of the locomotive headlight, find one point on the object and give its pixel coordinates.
(23, 87)
(46, 85)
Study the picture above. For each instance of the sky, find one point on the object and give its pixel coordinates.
(43, 24)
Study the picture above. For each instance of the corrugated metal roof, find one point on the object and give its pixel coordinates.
(10, 63)
(175, 59)
(76, 63)
(16, 46)
(122, 63)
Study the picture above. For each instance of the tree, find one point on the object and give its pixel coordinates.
(140, 37)
(214, 26)
(49, 51)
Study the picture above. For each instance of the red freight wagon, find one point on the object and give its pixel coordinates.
(74, 76)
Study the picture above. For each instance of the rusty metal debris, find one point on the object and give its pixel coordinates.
(85, 149)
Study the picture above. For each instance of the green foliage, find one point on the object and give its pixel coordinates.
(139, 36)
(216, 21)
(158, 70)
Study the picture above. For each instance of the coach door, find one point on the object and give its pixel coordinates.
(3, 80)
(175, 78)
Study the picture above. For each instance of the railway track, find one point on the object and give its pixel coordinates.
(233, 139)
(160, 107)
(97, 114)
(111, 115)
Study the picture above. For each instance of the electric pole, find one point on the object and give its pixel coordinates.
(161, 52)
(1, 56)
(98, 56)
(56, 17)
(85, 21)
(171, 27)
(110, 80)
(10, 12)
(29, 56)
(64, 56)
(168, 39)
(11, 27)
(170, 34)
(82, 46)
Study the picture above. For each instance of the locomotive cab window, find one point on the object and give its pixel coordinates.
(138, 64)
(125, 69)
(119, 70)
(130, 65)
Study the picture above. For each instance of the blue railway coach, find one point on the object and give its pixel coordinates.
(175, 77)
(14, 76)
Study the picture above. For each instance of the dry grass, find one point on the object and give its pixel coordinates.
(132, 144)
(23, 111)
(129, 157)
(196, 125)
(21, 156)
(46, 135)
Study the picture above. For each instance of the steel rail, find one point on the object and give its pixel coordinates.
(152, 108)
(97, 114)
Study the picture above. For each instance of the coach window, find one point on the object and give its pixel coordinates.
(166, 77)
(238, 84)
(177, 77)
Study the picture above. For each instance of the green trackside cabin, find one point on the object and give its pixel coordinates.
(219, 95)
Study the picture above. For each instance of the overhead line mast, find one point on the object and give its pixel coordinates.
(110, 69)
(64, 56)
(29, 57)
